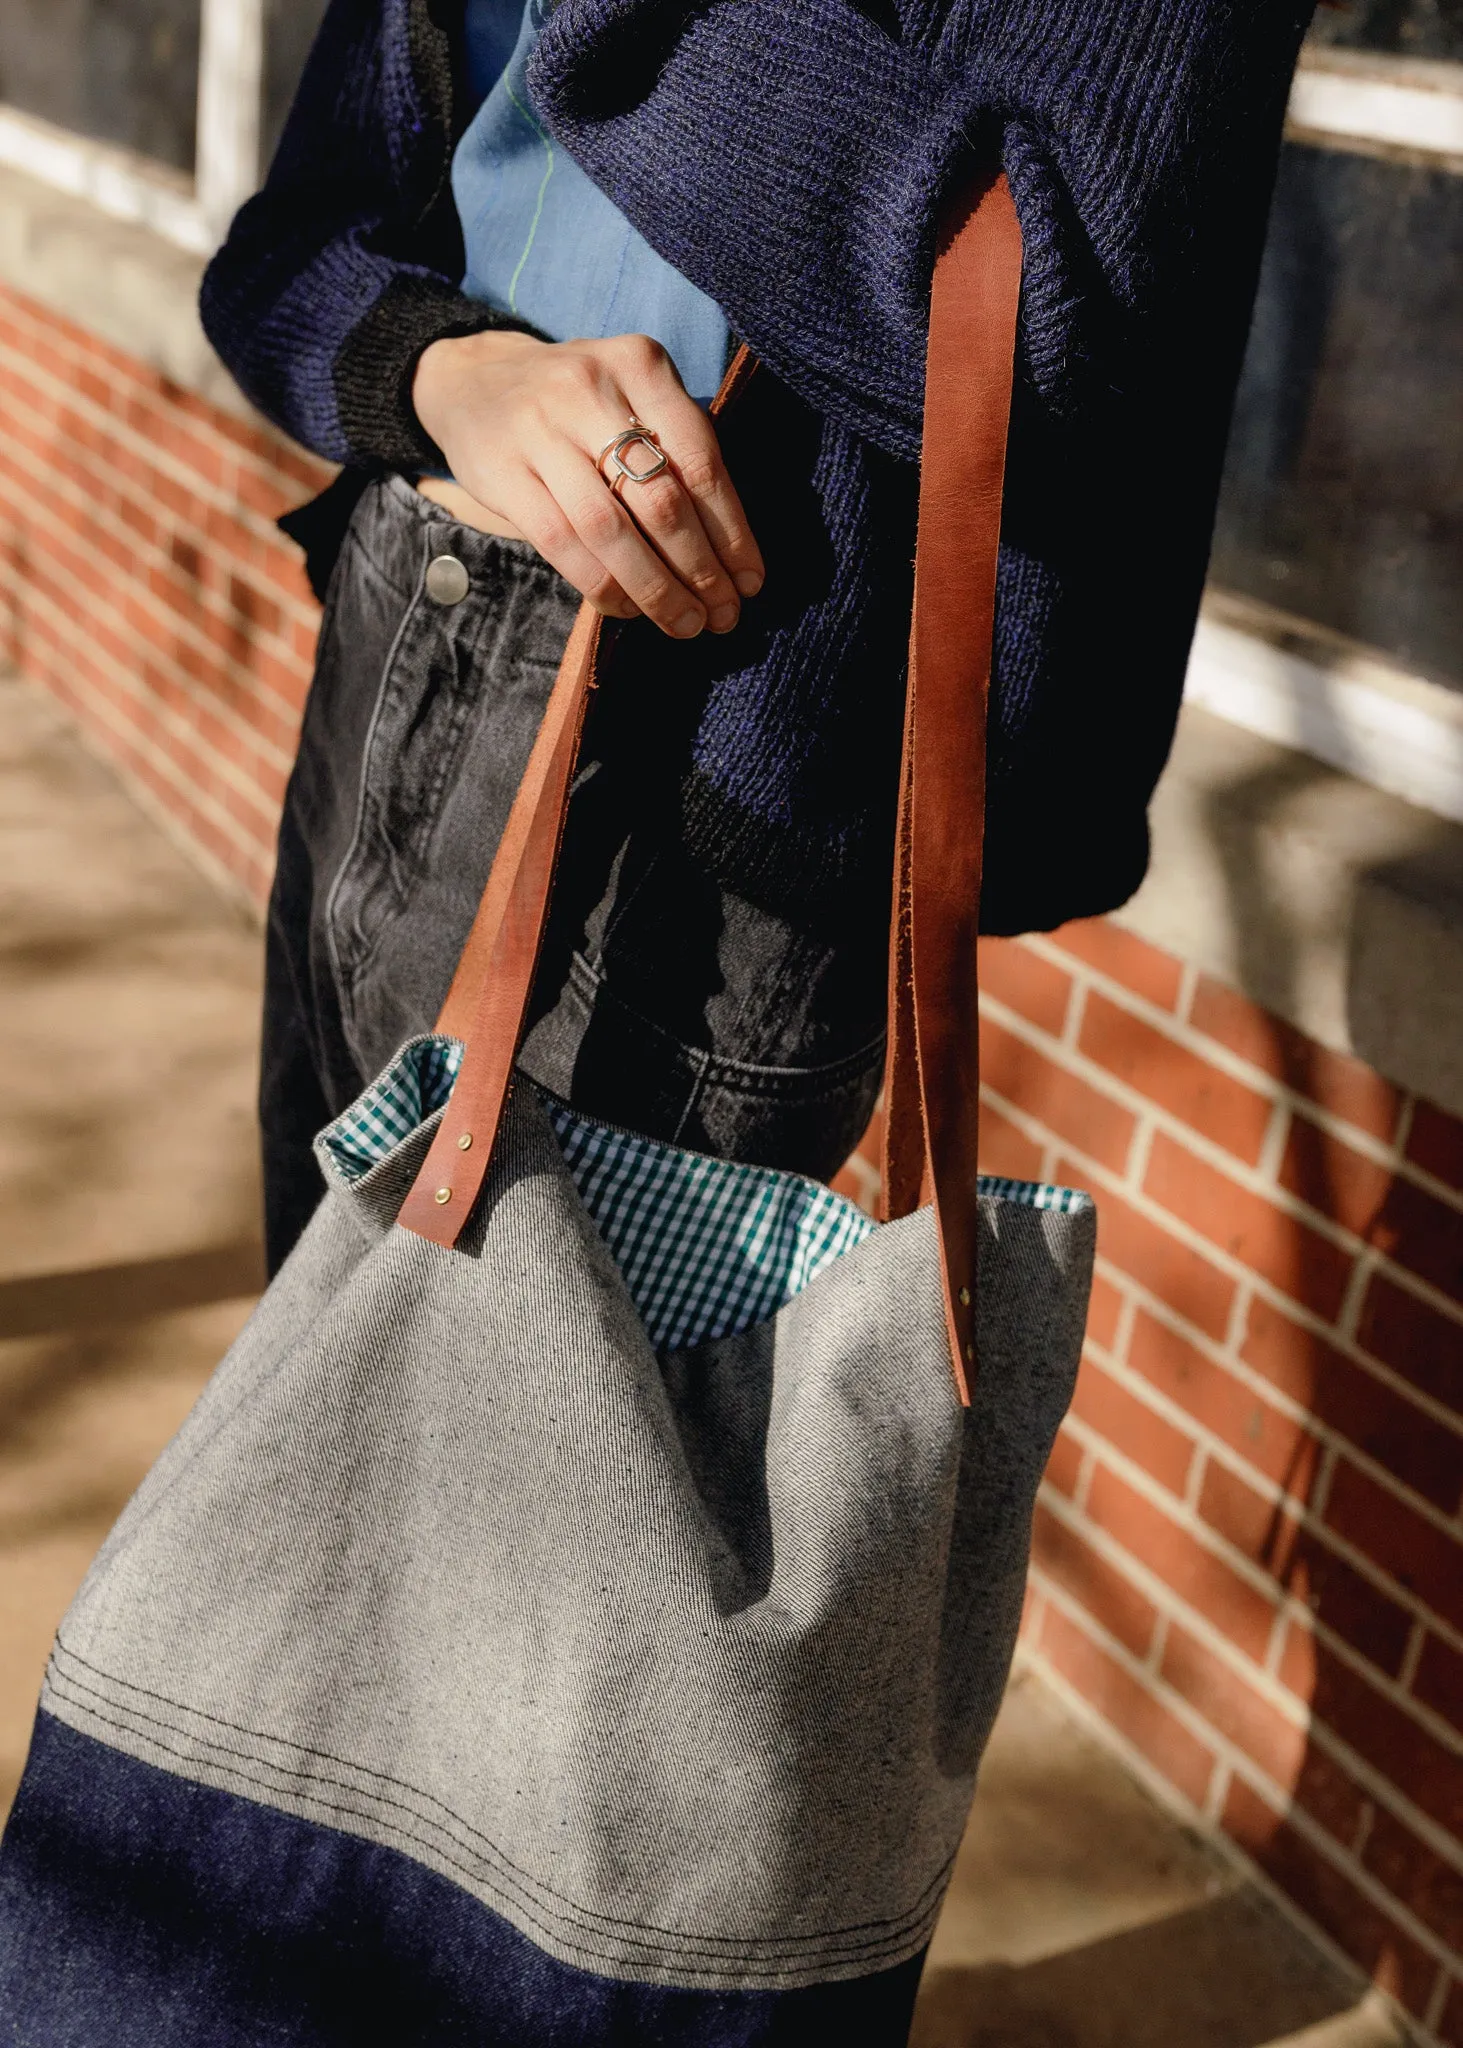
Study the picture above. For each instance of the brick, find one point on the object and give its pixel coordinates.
(1064, 1467)
(1004, 1148)
(1344, 1600)
(851, 1183)
(1091, 1121)
(1112, 1600)
(1155, 976)
(1395, 1216)
(1170, 1075)
(1234, 1706)
(285, 569)
(285, 680)
(1103, 1312)
(1420, 1342)
(259, 613)
(308, 472)
(1331, 1898)
(261, 443)
(1106, 1406)
(1438, 1682)
(1435, 1143)
(1392, 1740)
(1192, 1286)
(1356, 1405)
(265, 492)
(1025, 982)
(1415, 1875)
(1278, 1446)
(170, 439)
(1426, 1560)
(1450, 2027)
(1280, 1247)
(1347, 1087)
(1158, 1540)
(1128, 1705)
(1330, 1795)
(1262, 1529)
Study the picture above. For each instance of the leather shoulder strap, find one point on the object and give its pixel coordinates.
(933, 1083)
(932, 1106)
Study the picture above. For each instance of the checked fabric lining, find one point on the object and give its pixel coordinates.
(706, 1247)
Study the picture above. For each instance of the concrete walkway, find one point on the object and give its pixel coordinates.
(1081, 1916)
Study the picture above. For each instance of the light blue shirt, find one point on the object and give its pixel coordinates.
(543, 242)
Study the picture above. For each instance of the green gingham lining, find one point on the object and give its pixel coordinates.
(1033, 1194)
(706, 1247)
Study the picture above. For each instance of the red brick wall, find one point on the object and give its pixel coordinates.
(143, 582)
(1247, 1559)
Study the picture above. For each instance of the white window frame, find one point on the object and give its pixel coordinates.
(1280, 676)
(191, 212)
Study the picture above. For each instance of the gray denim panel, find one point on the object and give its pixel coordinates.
(443, 1557)
(460, 696)
(665, 1004)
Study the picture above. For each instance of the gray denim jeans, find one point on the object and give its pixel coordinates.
(665, 1003)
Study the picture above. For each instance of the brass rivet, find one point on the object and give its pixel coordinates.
(965, 1297)
(970, 1351)
(464, 1143)
(444, 1195)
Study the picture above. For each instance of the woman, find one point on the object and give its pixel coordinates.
(466, 1670)
(500, 233)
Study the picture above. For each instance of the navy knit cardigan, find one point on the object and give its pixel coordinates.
(791, 158)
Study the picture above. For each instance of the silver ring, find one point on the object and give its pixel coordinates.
(613, 453)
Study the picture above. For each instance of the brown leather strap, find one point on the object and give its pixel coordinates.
(488, 1000)
(932, 1105)
(933, 1084)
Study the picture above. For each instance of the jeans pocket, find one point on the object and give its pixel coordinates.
(432, 685)
(461, 693)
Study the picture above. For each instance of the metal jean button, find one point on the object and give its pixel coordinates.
(447, 580)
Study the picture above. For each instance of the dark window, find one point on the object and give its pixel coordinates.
(289, 30)
(1343, 499)
(123, 71)
(1404, 28)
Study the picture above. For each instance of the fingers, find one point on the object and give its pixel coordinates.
(664, 591)
(521, 425)
(657, 396)
(545, 526)
(667, 516)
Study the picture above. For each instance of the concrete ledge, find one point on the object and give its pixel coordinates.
(1331, 903)
(119, 279)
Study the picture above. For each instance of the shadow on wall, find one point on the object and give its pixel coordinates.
(1321, 1490)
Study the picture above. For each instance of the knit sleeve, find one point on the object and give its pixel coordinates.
(792, 161)
(343, 268)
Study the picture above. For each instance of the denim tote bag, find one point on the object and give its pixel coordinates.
(575, 1609)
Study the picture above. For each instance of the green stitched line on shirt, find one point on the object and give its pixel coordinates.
(538, 211)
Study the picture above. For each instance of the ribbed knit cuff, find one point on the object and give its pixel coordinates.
(376, 365)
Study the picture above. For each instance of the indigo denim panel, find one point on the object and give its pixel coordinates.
(665, 1002)
(139, 1910)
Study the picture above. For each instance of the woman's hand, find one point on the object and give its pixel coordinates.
(521, 423)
